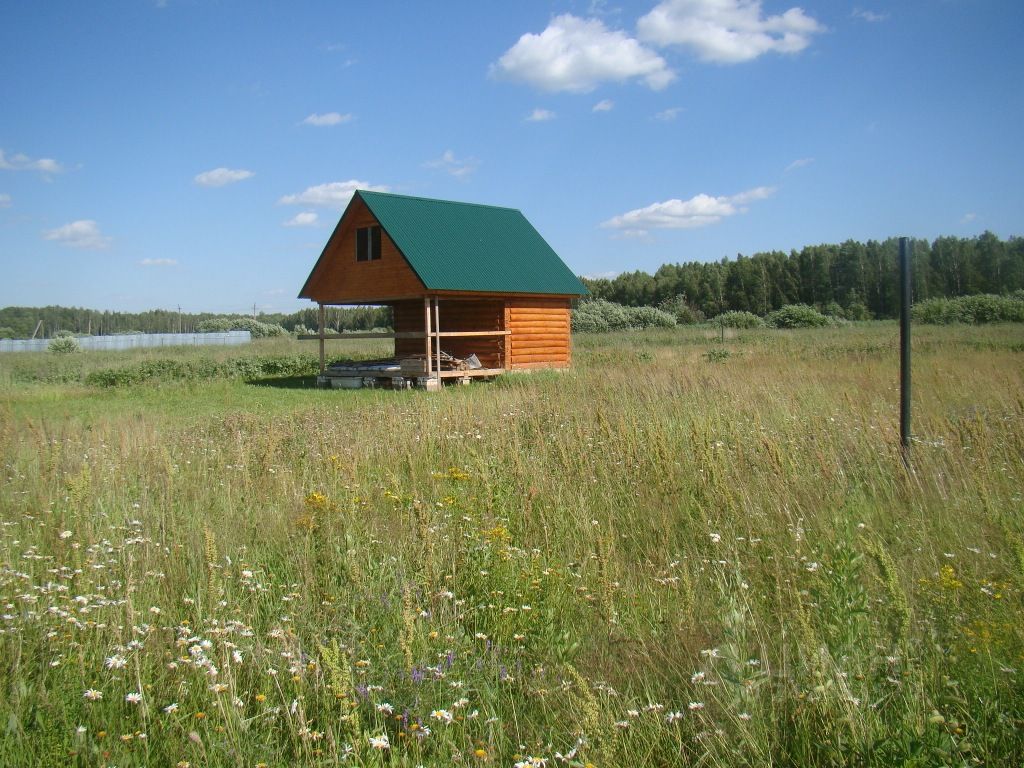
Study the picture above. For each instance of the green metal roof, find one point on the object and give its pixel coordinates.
(467, 247)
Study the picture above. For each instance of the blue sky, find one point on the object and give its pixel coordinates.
(199, 152)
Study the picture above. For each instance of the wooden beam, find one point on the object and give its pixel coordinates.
(321, 321)
(437, 334)
(426, 335)
(401, 335)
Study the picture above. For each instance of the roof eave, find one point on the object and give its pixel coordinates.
(304, 293)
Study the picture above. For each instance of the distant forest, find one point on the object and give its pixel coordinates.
(861, 278)
(20, 322)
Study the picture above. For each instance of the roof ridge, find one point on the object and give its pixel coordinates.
(438, 200)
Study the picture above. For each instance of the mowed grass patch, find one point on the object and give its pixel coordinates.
(653, 558)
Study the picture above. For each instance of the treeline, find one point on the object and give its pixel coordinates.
(21, 322)
(861, 279)
(855, 280)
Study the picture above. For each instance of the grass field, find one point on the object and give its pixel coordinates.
(680, 552)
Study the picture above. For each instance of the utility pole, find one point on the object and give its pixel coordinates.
(254, 311)
(179, 318)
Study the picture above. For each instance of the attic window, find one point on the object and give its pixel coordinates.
(367, 243)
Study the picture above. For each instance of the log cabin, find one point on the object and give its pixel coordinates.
(462, 280)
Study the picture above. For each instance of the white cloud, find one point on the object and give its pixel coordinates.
(727, 31)
(870, 16)
(303, 219)
(803, 162)
(608, 275)
(450, 163)
(5, 201)
(159, 262)
(336, 194)
(577, 55)
(968, 218)
(540, 115)
(219, 177)
(83, 233)
(605, 105)
(699, 211)
(330, 118)
(20, 162)
(668, 115)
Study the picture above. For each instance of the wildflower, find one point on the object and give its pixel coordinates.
(91, 694)
(133, 698)
(744, 716)
(66, 534)
(380, 742)
(694, 706)
(480, 752)
(715, 537)
(621, 724)
(116, 662)
(385, 709)
(697, 677)
(442, 714)
(171, 708)
(672, 717)
(711, 653)
(80, 730)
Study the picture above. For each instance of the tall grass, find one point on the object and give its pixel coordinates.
(655, 558)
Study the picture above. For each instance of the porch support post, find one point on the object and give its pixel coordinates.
(426, 329)
(437, 331)
(322, 321)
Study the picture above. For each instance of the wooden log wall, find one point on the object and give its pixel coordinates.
(456, 315)
(540, 332)
(339, 278)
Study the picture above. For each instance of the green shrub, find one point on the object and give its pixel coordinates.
(649, 317)
(64, 345)
(798, 316)
(858, 311)
(6, 333)
(599, 315)
(163, 370)
(257, 329)
(977, 309)
(738, 319)
(678, 307)
(986, 308)
(717, 355)
(938, 312)
(588, 322)
(833, 309)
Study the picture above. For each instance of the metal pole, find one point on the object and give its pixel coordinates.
(906, 251)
